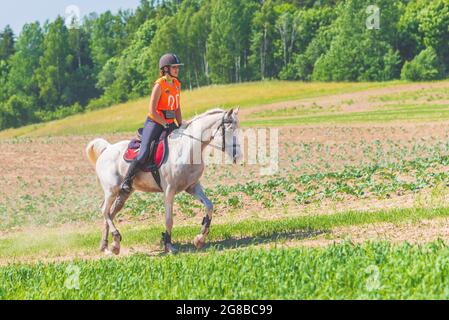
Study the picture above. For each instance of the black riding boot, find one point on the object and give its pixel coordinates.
(127, 184)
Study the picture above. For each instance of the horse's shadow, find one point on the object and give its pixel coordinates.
(235, 243)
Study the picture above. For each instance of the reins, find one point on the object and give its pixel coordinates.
(222, 126)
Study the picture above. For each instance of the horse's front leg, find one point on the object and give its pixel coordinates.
(166, 236)
(198, 192)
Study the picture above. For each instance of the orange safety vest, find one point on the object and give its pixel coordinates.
(170, 98)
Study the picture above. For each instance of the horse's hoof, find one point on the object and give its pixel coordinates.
(103, 246)
(116, 250)
(169, 248)
(199, 241)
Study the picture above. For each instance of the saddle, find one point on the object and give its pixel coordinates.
(158, 153)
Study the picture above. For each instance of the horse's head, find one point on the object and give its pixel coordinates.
(228, 134)
(217, 128)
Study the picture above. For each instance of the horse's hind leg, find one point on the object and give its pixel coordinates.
(105, 209)
(198, 192)
(104, 238)
(118, 204)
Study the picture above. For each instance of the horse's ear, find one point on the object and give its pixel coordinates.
(229, 114)
(236, 111)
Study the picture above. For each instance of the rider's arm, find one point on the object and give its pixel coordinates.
(178, 116)
(155, 96)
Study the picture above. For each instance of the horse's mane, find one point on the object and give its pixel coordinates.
(187, 123)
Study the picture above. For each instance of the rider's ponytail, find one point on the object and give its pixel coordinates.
(163, 72)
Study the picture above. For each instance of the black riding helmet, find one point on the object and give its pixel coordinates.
(169, 59)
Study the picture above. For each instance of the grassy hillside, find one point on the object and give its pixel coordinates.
(129, 116)
(399, 112)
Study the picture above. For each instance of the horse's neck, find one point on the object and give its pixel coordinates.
(202, 131)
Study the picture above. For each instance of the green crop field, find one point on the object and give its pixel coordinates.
(345, 271)
(358, 208)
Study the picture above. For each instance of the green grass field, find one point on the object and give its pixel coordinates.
(416, 113)
(345, 271)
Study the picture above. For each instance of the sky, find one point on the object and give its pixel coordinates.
(18, 12)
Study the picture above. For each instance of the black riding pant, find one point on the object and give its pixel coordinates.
(151, 132)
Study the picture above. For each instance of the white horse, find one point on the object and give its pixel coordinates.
(181, 172)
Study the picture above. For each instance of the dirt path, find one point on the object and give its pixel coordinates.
(421, 232)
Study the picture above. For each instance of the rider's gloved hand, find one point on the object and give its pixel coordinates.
(172, 126)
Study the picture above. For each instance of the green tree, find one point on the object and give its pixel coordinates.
(127, 76)
(193, 27)
(423, 67)
(82, 78)
(305, 63)
(4, 71)
(312, 37)
(262, 41)
(17, 111)
(25, 62)
(434, 24)
(53, 75)
(411, 37)
(287, 28)
(359, 53)
(228, 44)
(144, 12)
(166, 39)
(316, 32)
(6, 43)
(109, 38)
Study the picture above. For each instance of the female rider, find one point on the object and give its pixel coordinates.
(164, 110)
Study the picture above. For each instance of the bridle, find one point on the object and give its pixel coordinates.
(223, 132)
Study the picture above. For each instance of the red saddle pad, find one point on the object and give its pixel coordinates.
(133, 151)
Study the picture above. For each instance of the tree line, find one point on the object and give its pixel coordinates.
(63, 67)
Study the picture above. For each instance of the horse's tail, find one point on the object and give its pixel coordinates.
(95, 148)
